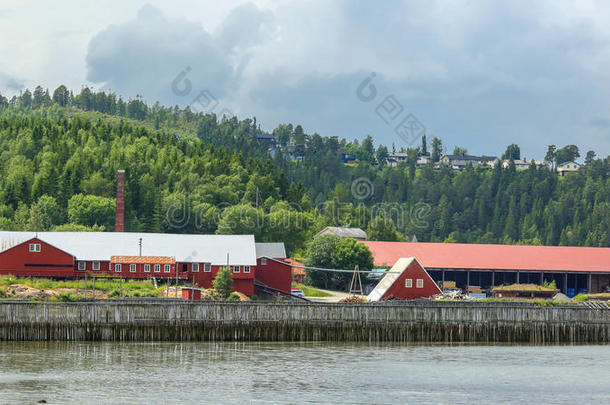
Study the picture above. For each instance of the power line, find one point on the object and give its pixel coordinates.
(331, 270)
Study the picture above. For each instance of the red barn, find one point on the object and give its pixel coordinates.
(406, 280)
(195, 258)
(35, 257)
(271, 270)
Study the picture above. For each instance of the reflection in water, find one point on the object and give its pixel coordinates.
(303, 373)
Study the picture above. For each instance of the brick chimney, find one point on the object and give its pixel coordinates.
(119, 222)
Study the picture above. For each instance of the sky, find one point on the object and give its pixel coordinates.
(477, 74)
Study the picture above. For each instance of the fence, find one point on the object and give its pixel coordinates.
(214, 321)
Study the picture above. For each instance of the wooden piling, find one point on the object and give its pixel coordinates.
(164, 320)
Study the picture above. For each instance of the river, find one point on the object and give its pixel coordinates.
(266, 373)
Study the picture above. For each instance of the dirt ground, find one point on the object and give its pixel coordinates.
(21, 291)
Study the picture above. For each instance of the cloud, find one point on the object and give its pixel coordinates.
(162, 58)
(480, 75)
(10, 83)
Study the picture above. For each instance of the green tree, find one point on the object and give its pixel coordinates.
(550, 155)
(437, 149)
(91, 210)
(223, 283)
(568, 153)
(513, 152)
(382, 228)
(459, 151)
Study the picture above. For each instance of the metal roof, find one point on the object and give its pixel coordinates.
(185, 248)
(344, 232)
(494, 257)
(274, 250)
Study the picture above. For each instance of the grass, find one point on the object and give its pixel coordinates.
(131, 288)
(311, 291)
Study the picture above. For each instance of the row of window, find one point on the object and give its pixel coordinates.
(419, 283)
(207, 268)
(237, 269)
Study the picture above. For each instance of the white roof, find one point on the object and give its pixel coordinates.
(344, 232)
(185, 248)
(390, 278)
(273, 250)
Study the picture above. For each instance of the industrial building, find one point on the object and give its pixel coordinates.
(187, 258)
(574, 269)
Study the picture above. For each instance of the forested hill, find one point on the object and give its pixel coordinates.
(189, 172)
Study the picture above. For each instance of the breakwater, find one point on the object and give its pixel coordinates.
(253, 321)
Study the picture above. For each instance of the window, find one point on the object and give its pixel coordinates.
(420, 283)
(117, 268)
(264, 261)
(81, 265)
(96, 265)
(132, 268)
(207, 267)
(147, 268)
(166, 268)
(195, 267)
(236, 269)
(35, 247)
(409, 283)
(246, 269)
(157, 268)
(185, 267)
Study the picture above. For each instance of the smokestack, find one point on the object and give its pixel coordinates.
(119, 222)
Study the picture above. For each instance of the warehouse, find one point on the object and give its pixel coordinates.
(190, 258)
(574, 269)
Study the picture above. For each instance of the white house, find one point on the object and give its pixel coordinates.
(568, 167)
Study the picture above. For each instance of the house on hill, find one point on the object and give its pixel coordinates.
(406, 280)
(343, 232)
(568, 168)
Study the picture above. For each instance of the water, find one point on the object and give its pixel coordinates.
(264, 373)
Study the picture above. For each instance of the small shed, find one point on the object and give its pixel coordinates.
(406, 280)
(191, 294)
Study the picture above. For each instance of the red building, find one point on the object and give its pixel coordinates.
(195, 258)
(406, 280)
(574, 269)
(272, 270)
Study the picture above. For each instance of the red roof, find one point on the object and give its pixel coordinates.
(297, 271)
(143, 259)
(493, 257)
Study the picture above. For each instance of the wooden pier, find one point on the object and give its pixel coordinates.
(222, 321)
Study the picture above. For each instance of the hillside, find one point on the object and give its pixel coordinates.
(188, 172)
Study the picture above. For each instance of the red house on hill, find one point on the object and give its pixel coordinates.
(406, 280)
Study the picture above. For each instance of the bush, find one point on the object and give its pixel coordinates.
(581, 298)
(114, 293)
(66, 296)
(233, 297)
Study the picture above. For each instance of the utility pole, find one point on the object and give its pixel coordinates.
(176, 264)
(356, 284)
